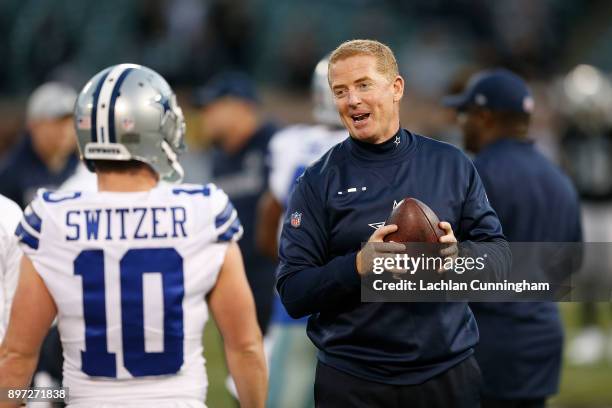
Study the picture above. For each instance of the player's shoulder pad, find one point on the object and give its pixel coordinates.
(199, 192)
(227, 224)
(39, 212)
(214, 201)
(29, 229)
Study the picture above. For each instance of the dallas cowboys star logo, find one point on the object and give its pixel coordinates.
(377, 225)
(164, 101)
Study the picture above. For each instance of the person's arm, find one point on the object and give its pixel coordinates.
(308, 279)
(32, 313)
(480, 231)
(233, 308)
(269, 212)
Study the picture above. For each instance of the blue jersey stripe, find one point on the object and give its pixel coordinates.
(225, 215)
(33, 220)
(25, 237)
(111, 111)
(94, 109)
(233, 229)
(202, 190)
(53, 197)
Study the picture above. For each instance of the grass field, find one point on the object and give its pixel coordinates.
(585, 386)
(581, 387)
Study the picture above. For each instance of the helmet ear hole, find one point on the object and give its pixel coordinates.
(129, 112)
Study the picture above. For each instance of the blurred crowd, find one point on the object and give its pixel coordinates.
(438, 44)
(190, 40)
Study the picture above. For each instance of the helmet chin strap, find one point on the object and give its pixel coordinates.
(179, 173)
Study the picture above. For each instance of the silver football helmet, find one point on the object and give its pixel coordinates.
(129, 112)
(324, 109)
(584, 96)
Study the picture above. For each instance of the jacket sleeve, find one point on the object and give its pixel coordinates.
(308, 281)
(480, 231)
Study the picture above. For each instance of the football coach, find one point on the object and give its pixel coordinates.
(380, 354)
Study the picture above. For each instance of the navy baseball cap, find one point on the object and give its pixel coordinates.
(497, 90)
(227, 84)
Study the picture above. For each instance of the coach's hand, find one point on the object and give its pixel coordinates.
(450, 250)
(376, 248)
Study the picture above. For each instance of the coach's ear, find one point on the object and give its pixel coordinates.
(398, 88)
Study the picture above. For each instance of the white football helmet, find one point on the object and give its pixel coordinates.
(324, 109)
(129, 112)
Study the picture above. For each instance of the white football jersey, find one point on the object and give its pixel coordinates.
(129, 273)
(293, 149)
(10, 255)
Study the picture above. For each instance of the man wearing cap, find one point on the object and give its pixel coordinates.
(45, 157)
(520, 343)
(232, 121)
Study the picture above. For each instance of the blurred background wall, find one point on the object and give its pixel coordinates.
(438, 42)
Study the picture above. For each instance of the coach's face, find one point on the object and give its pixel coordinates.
(366, 99)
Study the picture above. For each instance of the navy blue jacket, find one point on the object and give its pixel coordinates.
(339, 201)
(521, 343)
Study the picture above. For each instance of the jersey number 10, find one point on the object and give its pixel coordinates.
(96, 360)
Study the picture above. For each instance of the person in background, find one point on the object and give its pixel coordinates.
(231, 119)
(521, 343)
(45, 156)
(379, 354)
(292, 150)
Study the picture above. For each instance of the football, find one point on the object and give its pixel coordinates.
(416, 222)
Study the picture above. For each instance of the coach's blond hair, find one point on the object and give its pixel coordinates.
(385, 60)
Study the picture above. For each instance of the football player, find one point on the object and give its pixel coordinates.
(132, 269)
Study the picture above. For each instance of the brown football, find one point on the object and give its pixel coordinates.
(416, 222)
